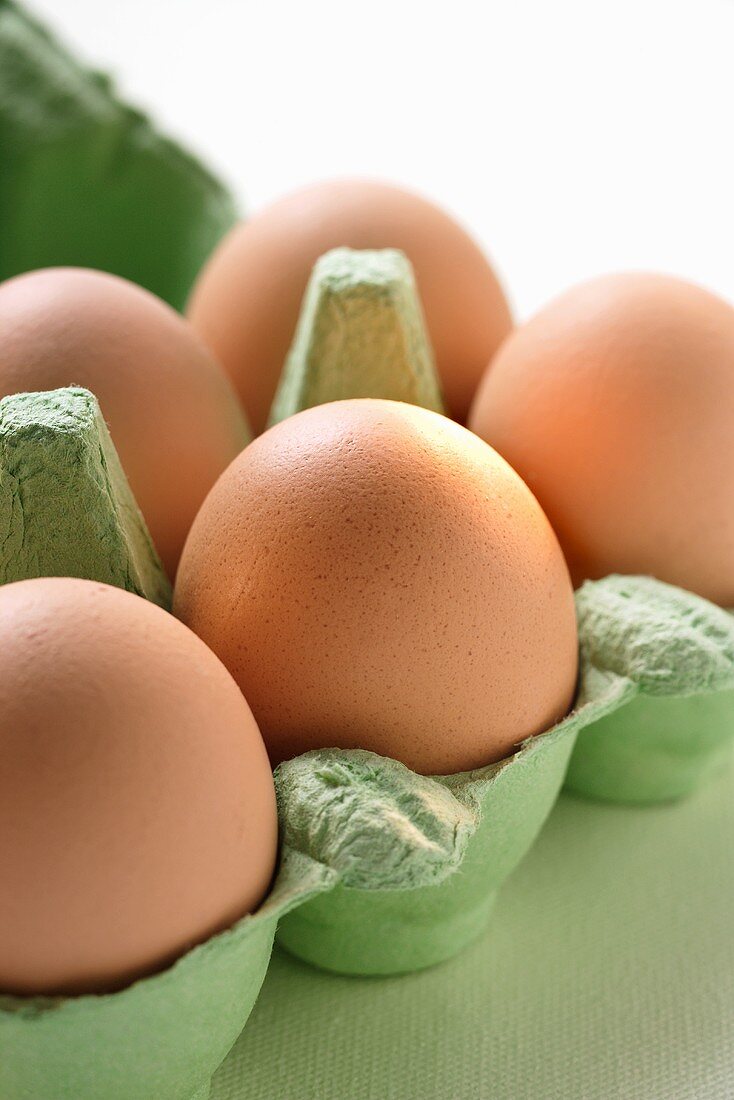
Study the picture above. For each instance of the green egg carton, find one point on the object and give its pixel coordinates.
(415, 861)
(87, 181)
(382, 870)
(66, 508)
(161, 1038)
(361, 333)
(418, 860)
(676, 728)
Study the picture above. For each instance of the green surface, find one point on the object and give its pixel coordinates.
(66, 508)
(361, 333)
(87, 181)
(606, 973)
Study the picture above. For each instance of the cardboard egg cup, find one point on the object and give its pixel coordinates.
(675, 652)
(383, 870)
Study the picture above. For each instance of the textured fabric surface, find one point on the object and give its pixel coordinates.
(606, 973)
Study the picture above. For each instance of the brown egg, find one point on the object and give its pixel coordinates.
(616, 405)
(375, 576)
(172, 413)
(137, 810)
(246, 302)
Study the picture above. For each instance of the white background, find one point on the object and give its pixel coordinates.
(572, 137)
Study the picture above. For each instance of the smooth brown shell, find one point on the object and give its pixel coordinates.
(246, 302)
(375, 576)
(137, 809)
(171, 411)
(616, 405)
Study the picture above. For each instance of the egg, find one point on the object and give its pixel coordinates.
(245, 303)
(172, 413)
(616, 405)
(374, 576)
(137, 809)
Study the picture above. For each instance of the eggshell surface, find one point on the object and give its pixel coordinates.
(137, 809)
(171, 411)
(245, 303)
(374, 576)
(616, 405)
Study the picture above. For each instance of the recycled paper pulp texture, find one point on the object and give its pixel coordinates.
(361, 333)
(677, 650)
(66, 508)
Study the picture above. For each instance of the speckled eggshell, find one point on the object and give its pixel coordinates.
(137, 808)
(375, 576)
(616, 405)
(245, 304)
(172, 413)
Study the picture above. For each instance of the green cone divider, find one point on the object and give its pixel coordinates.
(361, 333)
(66, 508)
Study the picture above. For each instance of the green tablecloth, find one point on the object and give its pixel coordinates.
(607, 972)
